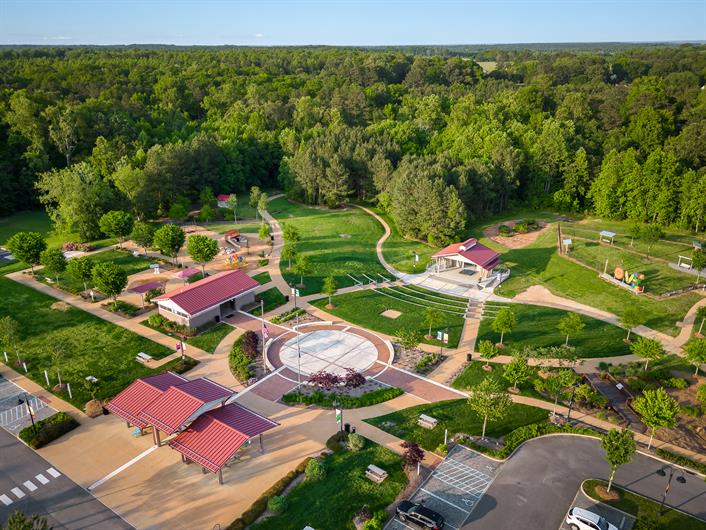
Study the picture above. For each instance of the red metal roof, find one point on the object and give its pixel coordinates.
(222, 198)
(130, 402)
(211, 291)
(172, 409)
(217, 435)
(143, 288)
(473, 251)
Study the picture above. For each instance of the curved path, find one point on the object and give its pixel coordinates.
(535, 487)
(381, 241)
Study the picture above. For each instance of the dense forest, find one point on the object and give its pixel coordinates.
(431, 137)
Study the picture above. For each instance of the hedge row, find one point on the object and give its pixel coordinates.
(325, 399)
(258, 507)
(681, 460)
(514, 438)
(48, 430)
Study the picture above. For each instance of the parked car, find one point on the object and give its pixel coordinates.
(580, 519)
(416, 513)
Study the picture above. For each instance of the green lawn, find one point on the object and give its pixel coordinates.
(473, 374)
(272, 299)
(38, 221)
(93, 346)
(126, 260)
(537, 326)
(364, 307)
(262, 278)
(646, 509)
(210, 338)
(337, 242)
(659, 276)
(331, 503)
(225, 226)
(425, 299)
(399, 251)
(539, 263)
(454, 415)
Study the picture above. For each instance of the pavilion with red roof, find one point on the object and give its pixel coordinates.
(469, 256)
(208, 300)
(216, 436)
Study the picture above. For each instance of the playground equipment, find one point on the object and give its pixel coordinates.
(630, 280)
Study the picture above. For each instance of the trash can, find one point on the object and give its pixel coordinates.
(286, 298)
(347, 427)
(469, 357)
(352, 429)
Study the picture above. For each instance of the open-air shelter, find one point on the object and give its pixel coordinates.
(214, 439)
(607, 236)
(145, 288)
(467, 257)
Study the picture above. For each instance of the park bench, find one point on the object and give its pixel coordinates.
(142, 357)
(375, 474)
(427, 421)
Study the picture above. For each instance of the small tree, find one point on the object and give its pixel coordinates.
(202, 249)
(178, 212)
(354, 378)
(169, 239)
(251, 343)
(487, 350)
(110, 279)
(701, 394)
(504, 322)
(262, 203)
(81, 269)
(557, 383)
(232, 203)
(255, 193)
(696, 353)
(117, 223)
(409, 338)
(700, 315)
(632, 317)
(27, 247)
(54, 262)
(517, 371)
(570, 324)
(207, 197)
(412, 455)
(302, 266)
(264, 231)
(489, 401)
(698, 262)
(648, 349)
(9, 336)
(329, 288)
(290, 233)
(324, 379)
(619, 448)
(657, 409)
(207, 213)
(289, 252)
(142, 234)
(20, 521)
(432, 318)
(650, 234)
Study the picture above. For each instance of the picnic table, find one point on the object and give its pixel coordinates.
(427, 421)
(375, 473)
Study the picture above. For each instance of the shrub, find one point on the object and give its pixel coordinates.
(157, 321)
(701, 394)
(287, 316)
(377, 522)
(325, 380)
(521, 227)
(426, 362)
(615, 369)
(353, 378)
(250, 344)
(504, 230)
(603, 366)
(324, 399)
(47, 430)
(355, 442)
(263, 262)
(184, 365)
(315, 470)
(153, 293)
(676, 382)
(71, 246)
(442, 449)
(681, 460)
(239, 361)
(691, 410)
(277, 503)
(334, 442)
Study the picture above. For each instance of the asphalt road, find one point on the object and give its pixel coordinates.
(33, 486)
(535, 488)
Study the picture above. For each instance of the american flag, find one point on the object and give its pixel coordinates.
(265, 333)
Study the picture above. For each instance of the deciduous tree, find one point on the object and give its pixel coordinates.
(489, 401)
(632, 317)
(169, 239)
(143, 234)
(302, 267)
(619, 446)
(329, 288)
(27, 247)
(696, 353)
(487, 350)
(517, 371)
(504, 322)
(53, 261)
(117, 224)
(110, 279)
(570, 324)
(657, 409)
(202, 249)
(648, 349)
(432, 318)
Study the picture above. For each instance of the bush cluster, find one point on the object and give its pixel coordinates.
(161, 323)
(258, 507)
(376, 522)
(355, 442)
(72, 246)
(288, 315)
(675, 382)
(326, 399)
(426, 362)
(184, 365)
(315, 470)
(277, 503)
(48, 430)
(239, 361)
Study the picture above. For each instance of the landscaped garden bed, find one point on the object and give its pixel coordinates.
(47, 430)
(124, 309)
(370, 393)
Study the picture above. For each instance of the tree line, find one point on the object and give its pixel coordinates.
(430, 136)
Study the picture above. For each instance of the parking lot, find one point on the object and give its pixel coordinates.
(14, 415)
(620, 520)
(455, 487)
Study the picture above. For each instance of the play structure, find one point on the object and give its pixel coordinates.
(629, 280)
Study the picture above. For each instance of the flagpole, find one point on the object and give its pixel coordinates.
(299, 355)
(262, 332)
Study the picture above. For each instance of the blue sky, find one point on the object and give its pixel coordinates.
(347, 22)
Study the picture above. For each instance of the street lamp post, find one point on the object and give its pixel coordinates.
(662, 473)
(571, 402)
(29, 409)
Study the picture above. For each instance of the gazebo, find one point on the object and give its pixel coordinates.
(607, 236)
(469, 256)
(213, 440)
(185, 274)
(144, 288)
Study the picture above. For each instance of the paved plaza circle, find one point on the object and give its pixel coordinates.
(330, 350)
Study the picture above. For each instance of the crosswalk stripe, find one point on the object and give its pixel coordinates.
(18, 492)
(29, 485)
(5, 500)
(53, 472)
(42, 479)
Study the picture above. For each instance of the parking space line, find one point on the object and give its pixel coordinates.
(5, 500)
(29, 485)
(17, 492)
(42, 479)
(444, 500)
(53, 472)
